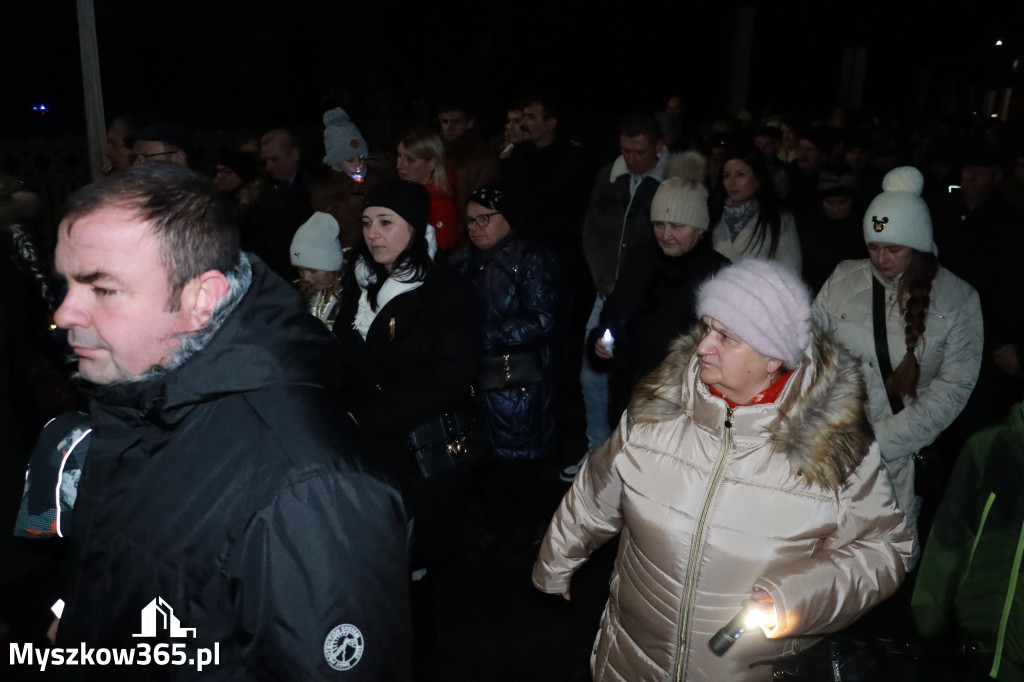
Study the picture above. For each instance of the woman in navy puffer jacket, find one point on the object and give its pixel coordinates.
(516, 282)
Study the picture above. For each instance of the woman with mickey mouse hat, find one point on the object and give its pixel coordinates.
(915, 326)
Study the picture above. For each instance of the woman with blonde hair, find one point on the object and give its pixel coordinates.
(421, 160)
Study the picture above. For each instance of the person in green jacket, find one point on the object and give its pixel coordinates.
(970, 573)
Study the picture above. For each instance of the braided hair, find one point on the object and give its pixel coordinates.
(914, 295)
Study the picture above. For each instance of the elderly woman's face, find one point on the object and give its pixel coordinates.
(733, 368)
(386, 234)
(674, 239)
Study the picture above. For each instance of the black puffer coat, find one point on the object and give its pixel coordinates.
(516, 282)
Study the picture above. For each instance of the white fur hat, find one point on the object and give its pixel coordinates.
(899, 215)
(315, 244)
(765, 304)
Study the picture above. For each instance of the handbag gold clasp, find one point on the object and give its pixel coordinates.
(457, 447)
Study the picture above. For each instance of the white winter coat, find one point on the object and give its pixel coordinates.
(949, 356)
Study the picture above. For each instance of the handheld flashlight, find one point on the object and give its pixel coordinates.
(747, 619)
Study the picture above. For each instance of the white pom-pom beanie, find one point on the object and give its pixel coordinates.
(683, 199)
(763, 303)
(899, 215)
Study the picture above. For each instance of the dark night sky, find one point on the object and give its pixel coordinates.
(227, 64)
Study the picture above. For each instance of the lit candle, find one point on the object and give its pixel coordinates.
(608, 340)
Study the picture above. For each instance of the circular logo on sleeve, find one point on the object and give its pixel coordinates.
(343, 647)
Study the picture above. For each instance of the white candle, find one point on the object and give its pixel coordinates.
(608, 340)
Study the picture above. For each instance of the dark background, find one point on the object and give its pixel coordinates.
(229, 64)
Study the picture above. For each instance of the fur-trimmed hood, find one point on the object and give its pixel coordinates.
(820, 420)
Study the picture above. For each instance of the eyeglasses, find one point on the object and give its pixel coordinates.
(482, 220)
(146, 158)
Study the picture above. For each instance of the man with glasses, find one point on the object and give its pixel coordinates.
(162, 141)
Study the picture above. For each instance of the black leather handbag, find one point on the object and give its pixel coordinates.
(511, 370)
(841, 658)
(458, 440)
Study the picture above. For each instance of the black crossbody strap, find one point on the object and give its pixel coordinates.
(881, 341)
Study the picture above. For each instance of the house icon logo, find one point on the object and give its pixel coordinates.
(158, 616)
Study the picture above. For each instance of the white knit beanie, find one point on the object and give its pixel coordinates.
(315, 244)
(899, 215)
(342, 140)
(765, 304)
(683, 198)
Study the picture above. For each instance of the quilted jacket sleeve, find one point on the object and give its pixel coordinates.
(329, 551)
(938, 404)
(858, 566)
(590, 514)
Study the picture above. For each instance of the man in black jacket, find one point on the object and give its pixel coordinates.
(223, 511)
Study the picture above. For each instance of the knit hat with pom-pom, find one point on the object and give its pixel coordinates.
(683, 198)
(899, 215)
(342, 140)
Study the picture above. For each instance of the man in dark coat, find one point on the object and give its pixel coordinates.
(221, 492)
(283, 205)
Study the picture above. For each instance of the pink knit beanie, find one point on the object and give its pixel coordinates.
(765, 304)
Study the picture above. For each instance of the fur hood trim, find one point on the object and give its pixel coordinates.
(821, 425)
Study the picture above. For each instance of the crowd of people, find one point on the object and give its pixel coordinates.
(779, 337)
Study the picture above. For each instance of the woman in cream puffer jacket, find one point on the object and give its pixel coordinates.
(945, 342)
(949, 358)
(712, 502)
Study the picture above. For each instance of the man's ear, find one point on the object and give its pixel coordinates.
(201, 296)
(470, 123)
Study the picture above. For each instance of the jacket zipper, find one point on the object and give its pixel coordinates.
(696, 545)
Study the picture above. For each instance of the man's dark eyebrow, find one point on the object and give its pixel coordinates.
(91, 277)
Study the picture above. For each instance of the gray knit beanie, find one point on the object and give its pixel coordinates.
(765, 304)
(683, 198)
(899, 215)
(342, 140)
(315, 244)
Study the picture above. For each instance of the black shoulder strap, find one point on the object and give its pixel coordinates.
(881, 341)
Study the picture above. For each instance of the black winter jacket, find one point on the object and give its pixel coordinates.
(517, 288)
(418, 359)
(653, 303)
(616, 223)
(417, 362)
(229, 488)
